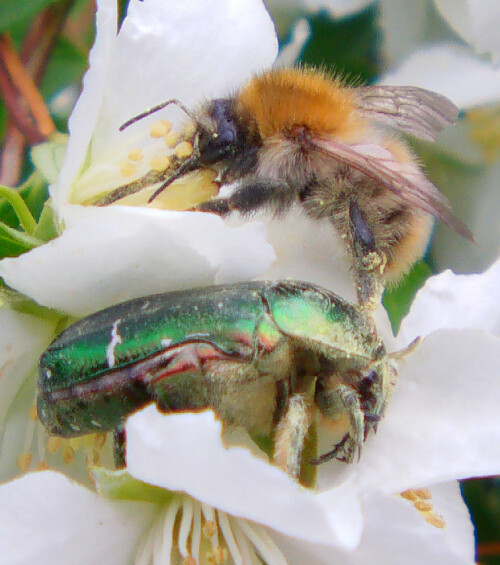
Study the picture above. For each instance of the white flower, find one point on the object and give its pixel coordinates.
(105, 255)
(440, 425)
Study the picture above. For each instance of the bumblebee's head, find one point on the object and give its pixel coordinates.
(222, 134)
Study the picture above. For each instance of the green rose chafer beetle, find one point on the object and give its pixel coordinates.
(268, 356)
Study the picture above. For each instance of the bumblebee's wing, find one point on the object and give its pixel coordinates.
(414, 110)
(403, 178)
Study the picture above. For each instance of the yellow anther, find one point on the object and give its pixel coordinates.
(160, 163)
(409, 495)
(75, 443)
(422, 506)
(24, 461)
(217, 556)
(161, 128)
(424, 493)
(68, 455)
(435, 520)
(127, 169)
(189, 560)
(209, 529)
(184, 149)
(171, 139)
(33, 412)
(136, 154)
(42, 466)
(54, 444)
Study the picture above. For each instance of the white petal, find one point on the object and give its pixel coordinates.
(394, 533)
(448, 502)
(22, 340)
(454, 301)
(184, 452)
(84, 117)
(443, 421)
(308, 250)
(186, 50)
(477, 21)
(47, 519)
(451, 70)
(107, 255)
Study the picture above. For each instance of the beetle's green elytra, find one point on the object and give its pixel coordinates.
(246, 350)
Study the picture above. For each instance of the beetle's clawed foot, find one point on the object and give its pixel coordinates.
(347, 450)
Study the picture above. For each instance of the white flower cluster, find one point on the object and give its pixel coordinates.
(195, 500)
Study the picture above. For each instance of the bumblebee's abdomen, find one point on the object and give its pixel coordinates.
(282, 100)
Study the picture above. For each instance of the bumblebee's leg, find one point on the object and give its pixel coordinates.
(249, 198)
(334, 400)
(119, 447)
(291, 434)
(369, 263)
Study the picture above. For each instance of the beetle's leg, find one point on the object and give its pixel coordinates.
(119, 446)
(249, 198)
(333, 400)
(369, 263)
(291, 434)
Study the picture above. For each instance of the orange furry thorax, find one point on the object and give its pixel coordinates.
(280, 101)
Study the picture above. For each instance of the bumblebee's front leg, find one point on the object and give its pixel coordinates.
(333, 400)
(369, 263)
(249, 198)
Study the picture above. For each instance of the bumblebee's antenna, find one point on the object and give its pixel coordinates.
(155, 109)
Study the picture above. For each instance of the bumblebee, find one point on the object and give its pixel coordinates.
(293, 137)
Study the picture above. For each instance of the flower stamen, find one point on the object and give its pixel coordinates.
(420, 499)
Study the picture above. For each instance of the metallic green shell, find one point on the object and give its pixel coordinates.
(126, 333)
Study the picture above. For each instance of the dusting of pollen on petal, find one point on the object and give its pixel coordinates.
(420, 499)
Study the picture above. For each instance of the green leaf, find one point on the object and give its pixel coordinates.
(348, 46)
(119, 485)
(34, 192)
(13, 11)
(397, 300)
(47, 227)
(25, 305)
(14, 242)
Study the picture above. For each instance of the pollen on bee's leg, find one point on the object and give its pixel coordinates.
(136, 154)
(183, 149)
(127, 169)
(171, 139)
(161, 128)
(160, 162)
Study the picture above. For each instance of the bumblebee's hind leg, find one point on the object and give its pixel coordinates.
(369, 263)
(291, 435)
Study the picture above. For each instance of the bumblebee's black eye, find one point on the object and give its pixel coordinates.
(226, 125)
(221, 143)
